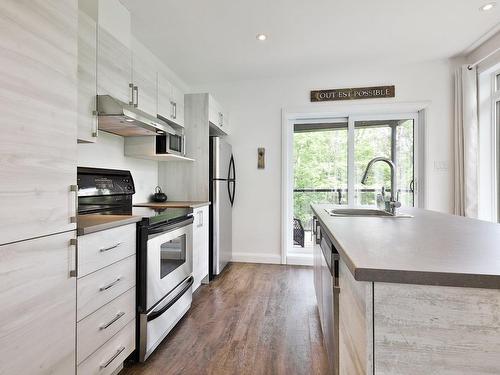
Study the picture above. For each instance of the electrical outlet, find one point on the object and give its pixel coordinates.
(441, 165)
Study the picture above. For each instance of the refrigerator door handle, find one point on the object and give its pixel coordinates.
(231, 173)
(232, 191)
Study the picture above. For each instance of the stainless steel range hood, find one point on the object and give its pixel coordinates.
(124, 119)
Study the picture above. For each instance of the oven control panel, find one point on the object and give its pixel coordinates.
(99, 182)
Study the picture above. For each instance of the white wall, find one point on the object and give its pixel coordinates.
(107, 152)
(255, 121)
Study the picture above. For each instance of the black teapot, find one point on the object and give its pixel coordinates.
(159, 196)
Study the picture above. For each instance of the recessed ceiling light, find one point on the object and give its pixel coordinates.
(261, 37)
(488, 6)
(128, 119)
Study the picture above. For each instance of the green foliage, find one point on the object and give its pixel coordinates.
(320, 162)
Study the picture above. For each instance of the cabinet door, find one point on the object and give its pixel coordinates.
(200, 245)
(144, 78)
(87, 77)
(38, 313)
(178, 102)
(38, 56)
(114, 67)
(164, 97)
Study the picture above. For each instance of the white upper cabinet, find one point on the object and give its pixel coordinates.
(87, 70)
(114, 55)
(170, 101)
(114, 68)
(144, 79)
(38, 102)
(217, 117)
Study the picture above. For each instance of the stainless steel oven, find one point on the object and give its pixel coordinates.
(165, 280)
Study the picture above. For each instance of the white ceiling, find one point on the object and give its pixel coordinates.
(215, 40)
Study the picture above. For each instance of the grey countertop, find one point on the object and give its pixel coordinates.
(174, 204)
(94, 223)
(430, 248)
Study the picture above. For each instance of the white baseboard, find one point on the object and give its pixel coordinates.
(256, 258)
(299, 259)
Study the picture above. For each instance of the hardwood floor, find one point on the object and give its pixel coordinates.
(254, 319)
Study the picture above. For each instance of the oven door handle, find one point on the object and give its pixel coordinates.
(155, 314)
(170, 227)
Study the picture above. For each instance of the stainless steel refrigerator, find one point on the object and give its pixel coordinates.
(222, 193)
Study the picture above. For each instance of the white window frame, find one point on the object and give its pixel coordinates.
(320, 113)
(489, 141)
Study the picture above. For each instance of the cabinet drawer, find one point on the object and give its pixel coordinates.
(111, 355)
(99, 327)
(100, 249)
(99, 288)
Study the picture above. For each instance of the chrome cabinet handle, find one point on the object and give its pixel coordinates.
(74, 189)
(74, 272)
(106, 287)
(172, 109)
(113, 357)
(175, 110)
(136, 89)
(106, 325)
(131, 101)
(200, 219)
(104, 249)
(95, 122)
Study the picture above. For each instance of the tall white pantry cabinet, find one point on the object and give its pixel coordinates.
(38, 102)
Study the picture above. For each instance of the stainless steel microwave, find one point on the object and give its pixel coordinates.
(171, 144)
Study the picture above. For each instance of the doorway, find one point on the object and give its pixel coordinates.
(326, 161)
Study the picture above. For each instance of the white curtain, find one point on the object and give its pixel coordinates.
(465, 142)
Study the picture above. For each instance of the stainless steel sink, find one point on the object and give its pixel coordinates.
(363, 212)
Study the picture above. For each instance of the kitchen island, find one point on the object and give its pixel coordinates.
(417, 295)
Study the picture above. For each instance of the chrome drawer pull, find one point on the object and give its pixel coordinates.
(103, 288)
(104, 249)
(118, 316)
(108, 362)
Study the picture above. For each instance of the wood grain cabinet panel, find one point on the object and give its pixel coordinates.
(144, 77)
(38, 102)
(87, 77)
(114, 67)
(38, 306)
(100, 249)
(99, 327)
(99, 288)
(108, 357)
(200, 246)
(355, 324)
(422, 329)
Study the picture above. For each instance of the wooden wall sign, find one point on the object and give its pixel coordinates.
(353, 93)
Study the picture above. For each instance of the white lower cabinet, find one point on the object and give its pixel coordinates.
(106, 300)
(109, 357)
(37, 306)
(99, 327)
(200, 246)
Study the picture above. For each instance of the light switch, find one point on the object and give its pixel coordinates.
(261, 158)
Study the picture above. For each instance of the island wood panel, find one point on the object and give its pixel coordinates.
(38, 306)
(190, 182)
(87, 77)
(114, 67)
(355, 324)
(38, 93)
(436, 330)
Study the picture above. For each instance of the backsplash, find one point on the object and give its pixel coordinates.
(107, 152)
